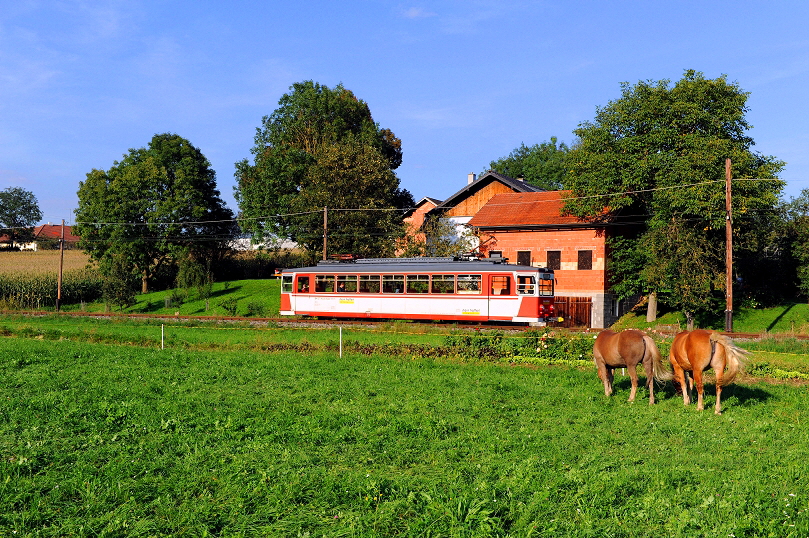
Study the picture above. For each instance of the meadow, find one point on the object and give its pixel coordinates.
(105, 435)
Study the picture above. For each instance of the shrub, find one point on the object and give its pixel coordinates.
(230, 305)
(257, 309)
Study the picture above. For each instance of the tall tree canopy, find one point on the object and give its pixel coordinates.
(542, 164)
(321, 148)
(157, 206)
(19, 212)
(657, 156)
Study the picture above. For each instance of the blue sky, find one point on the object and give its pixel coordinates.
(460, 82)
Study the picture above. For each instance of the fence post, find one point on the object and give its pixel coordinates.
(341, 342)
(162, 337)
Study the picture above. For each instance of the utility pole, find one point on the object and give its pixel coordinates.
(61, 265)
(728, 252)
(325, 229)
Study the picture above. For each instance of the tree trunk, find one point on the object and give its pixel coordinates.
(651, 308)
(144, 283)
(689, 321)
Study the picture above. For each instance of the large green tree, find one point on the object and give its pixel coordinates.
(798, 229)
(321, 148)
(655, 157)
(19, 212)
(157, 206)
(542, 164)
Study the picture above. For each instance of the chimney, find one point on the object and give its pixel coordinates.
(470, 179)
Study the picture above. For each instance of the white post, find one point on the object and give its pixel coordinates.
(162, 337)
(341, 342)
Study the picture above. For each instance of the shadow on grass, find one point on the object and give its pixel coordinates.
(744, 394)
(780, 316)
(220, 293)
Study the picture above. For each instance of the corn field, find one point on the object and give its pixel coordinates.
(35, 291)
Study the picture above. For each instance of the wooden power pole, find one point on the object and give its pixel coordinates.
(61, 265)
(728, 252)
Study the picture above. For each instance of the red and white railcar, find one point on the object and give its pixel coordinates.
(420, 288)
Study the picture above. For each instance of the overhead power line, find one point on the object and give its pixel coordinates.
(319, 211)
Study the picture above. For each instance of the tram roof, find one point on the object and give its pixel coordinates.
(420, 265)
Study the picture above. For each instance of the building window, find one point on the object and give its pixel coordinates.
(495, 253)
(585, 260)
(555, 259)
(523, 257)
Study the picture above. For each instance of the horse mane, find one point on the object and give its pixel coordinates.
(736, 357)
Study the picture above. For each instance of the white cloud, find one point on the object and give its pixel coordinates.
(417, 13)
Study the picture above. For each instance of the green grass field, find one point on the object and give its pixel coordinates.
(125, 440)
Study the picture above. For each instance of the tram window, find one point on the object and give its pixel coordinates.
(526, 285)
(346, 283)
(369, 283)
(501, 285)
(545, 284)
(468, 283)
(443, 284)
(286, 284)
(324, 283)
(392, 283)
(418, 283)
(303, 284)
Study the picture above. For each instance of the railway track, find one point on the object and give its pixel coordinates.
(332, 322)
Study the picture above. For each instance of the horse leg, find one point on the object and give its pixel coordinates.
(688, 387)
(650, 380)
(719, 373)
(698, 382)
(609, 381)
(603, 371)
(681, 378)
(633, 375)
(603, 374)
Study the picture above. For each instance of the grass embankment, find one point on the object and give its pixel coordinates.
(252, 298)
(788, 319)
(107, 440)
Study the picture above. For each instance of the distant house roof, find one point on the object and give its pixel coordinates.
(426, 200)
(526, 210)
(491, 176)
(54, 231)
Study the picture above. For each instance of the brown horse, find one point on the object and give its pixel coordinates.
(626, 350)
(696, 351)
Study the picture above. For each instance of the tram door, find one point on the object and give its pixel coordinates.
(501, 297)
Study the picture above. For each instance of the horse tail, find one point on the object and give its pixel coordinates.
(736, 357)
(660, 371)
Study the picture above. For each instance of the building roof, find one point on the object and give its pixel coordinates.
(526, 210)
(54, 231)
(426, 200)
(517, 185)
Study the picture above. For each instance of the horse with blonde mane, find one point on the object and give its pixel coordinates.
(626, 350)
(694, 352)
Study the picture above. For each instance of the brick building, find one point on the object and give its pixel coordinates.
(530, 229)
(525, 224)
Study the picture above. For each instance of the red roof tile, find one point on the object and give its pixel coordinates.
(54, 231)
(523, 209)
